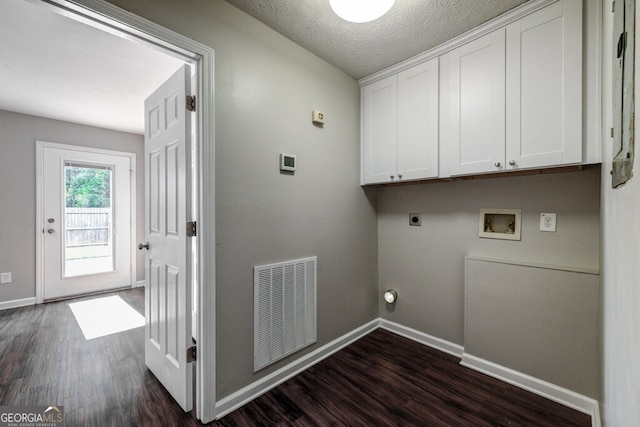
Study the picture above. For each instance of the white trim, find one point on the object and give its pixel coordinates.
(85, 149)
(40, 146)
(537, 386)
(111, 19)
(117, 21)
(133, 221)
(140, 284)
(264, 384)
(486, 28)
(595, 156)
(422, 338)
(16, 303)
(535, 264)
(39, 220)
(206, 383)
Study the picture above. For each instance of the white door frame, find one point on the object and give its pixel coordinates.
(40, 257)
(110, 18)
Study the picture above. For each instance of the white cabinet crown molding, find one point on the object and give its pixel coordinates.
(486, 28)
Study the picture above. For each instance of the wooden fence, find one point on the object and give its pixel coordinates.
(87, 226)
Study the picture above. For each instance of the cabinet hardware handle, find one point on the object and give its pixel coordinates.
(391, 176)
(512, 162)
(498, 164)
(400, 175)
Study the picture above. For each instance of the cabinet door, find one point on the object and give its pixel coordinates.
(418, 121)
(379, 131)
(544, 87)
(476, 132)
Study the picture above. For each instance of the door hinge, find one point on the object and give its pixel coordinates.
(191, 354)
(192, 229)
(191, 102)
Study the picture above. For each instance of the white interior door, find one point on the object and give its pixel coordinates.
(86, 221)
(168, 296)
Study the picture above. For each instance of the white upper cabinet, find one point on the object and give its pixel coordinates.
(544, 87)
(379, 130)
(476, 100)
(418, 122)
(505, 96)
(400, 126)
(515, 95)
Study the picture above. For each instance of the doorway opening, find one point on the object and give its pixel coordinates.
(116, 21)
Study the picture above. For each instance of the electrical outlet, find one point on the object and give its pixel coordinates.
(5, 278)
(548, 222)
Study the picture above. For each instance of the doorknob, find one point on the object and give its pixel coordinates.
(145, 245)
(51, 231)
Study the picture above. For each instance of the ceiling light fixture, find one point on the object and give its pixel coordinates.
(359, 11)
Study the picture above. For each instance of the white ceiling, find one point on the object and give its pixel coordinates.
(52, 66)
(409, 28)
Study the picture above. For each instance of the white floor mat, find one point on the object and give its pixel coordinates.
(105, 316)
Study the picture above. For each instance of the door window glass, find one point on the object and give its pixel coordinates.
(88, 217)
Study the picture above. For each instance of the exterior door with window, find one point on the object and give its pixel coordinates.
(86, 212)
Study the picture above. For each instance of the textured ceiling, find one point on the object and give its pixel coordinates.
(410, 27)
(52, 66)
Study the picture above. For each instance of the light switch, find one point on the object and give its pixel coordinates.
(5, 278)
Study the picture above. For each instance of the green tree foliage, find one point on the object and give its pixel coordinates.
(87, 187)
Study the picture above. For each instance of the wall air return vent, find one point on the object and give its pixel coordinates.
(284, 309)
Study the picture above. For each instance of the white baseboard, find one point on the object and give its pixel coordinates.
(140, 283)
(6, 305)
(422, 338)
(263, 385)
(537, 386)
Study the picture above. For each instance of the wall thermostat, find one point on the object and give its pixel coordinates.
(287, 162)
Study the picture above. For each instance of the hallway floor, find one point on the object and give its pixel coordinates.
(46, 360)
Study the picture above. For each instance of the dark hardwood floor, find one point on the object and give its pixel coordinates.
(387, 380)
(45, 360)
(381, 380)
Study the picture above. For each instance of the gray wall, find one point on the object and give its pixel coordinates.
(18, 136)
(621, 267)
(540, 320)
(266, 88)
(426, 264)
